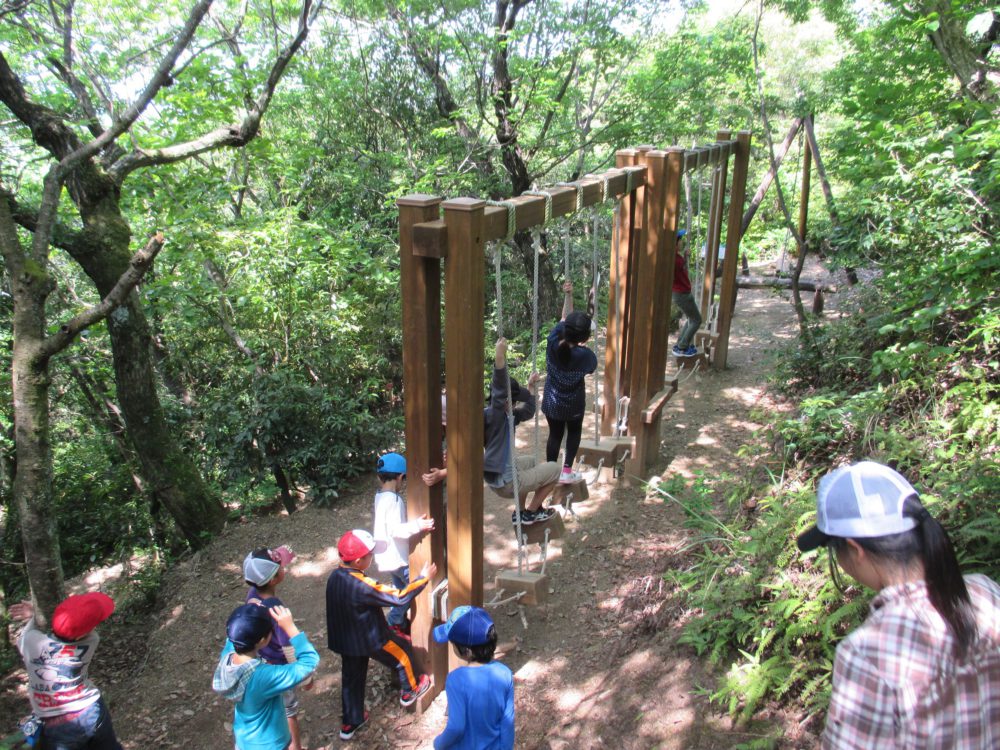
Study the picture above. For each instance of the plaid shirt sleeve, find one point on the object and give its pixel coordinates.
(863, 708)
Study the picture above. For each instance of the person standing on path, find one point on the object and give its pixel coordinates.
(923, 670)
(564, 400)
(684, 300)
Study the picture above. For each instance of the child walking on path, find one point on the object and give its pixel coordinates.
(263, 570)
(70, 707)
(684, 300)
(391, 526)
(481, 695)
(923, 671)
(567, 363)
(357, 629)
(256, 686)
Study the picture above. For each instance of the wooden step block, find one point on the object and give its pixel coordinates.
(535, 586)
(578, 489)
(611, 449)
(535, 533)
(686, 363)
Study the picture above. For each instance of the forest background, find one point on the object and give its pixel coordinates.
(259, 362)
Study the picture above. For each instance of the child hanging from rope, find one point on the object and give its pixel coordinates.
(498, 463)
(684, 300)
(567, 363)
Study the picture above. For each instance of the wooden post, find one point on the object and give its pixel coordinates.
(465, 279)
(804, 195)
(618, 300)
(716, 210)
(640, 344)
(727, 298)
(420, 281)
(758, 197)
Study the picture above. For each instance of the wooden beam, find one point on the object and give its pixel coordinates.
(715, 213)
(465, 279)
(765, 184)
(420, 287)
(772, 282)
(823, 181)
(727, 297)
(655, 406)
(804, 194)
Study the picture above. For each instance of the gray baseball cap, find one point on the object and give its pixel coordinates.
(859, 501)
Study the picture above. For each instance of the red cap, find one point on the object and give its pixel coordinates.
(356, 544)
(78, 615)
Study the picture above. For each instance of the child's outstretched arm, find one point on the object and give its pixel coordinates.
(281, 677)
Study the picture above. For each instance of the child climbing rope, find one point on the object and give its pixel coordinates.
(684, 300)
(567, 363)
(924, 669)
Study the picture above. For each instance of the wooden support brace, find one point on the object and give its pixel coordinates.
(655, 406)
(534, 585)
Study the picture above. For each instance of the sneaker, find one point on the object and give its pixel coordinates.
(691, 351)
(568, 476)
(347, 730)
(527, 517)
(677, 351)
(544, 514)
(409, 697)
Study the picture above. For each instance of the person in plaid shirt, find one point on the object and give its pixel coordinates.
(923, 670)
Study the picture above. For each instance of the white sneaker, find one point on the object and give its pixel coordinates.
(569, 477)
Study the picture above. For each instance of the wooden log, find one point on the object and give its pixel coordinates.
(611, 449)
(577, 489)
(758, 197)
(777, 282)
(534, 585)
(535, 533)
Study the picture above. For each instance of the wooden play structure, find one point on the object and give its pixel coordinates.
(452, 234)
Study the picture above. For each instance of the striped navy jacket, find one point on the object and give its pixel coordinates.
(355, 622)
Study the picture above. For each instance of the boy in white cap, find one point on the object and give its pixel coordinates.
(481, 695)
(263, 570)
(70, 706)
(357, 629)
(390, 525)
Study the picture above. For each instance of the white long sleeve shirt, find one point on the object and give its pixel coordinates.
(390, 525)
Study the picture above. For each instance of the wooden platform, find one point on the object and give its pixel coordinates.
(611, 449)
(534, 585)
(535, 533)
(577, 489)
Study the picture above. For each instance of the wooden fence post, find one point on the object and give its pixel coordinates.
(727, 297)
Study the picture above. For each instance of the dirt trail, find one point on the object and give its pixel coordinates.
(598, 665)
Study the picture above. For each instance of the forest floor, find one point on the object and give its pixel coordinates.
(599, 664)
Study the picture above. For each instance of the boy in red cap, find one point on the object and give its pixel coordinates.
(263, 570)
(71, 709)
(358, 631)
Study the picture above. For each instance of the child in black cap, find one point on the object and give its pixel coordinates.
(255, 686)
(481, 695)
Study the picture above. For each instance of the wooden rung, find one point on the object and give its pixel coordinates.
(534, 585)
(578, 489)
(535, 533)
(652, 411)
(611, 449)
(684, 363)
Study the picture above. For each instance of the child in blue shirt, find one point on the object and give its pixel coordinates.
(256, 686)
(481, 695)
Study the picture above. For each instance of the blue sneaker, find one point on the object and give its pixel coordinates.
(691, 351)
(677, 351)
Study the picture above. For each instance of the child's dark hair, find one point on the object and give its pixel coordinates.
(576, 330)
(930, 543)
(388, 476)
(482, 654)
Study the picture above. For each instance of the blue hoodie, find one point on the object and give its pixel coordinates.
(256, 687)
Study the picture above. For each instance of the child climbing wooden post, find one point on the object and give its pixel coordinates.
(420, 281)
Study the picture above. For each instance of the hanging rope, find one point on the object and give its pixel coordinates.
(548, 202)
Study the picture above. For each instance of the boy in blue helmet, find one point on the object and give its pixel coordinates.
(390, 525)
(684, 300)
(481, 695)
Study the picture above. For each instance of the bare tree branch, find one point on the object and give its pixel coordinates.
(138, 266)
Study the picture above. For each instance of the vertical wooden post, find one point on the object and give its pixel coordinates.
(714, 231)
(464, 282)
(618, 300)
(420, 281)
(641, 337)
(804, 195)
(727, 298)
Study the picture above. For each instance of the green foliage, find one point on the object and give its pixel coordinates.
(763, 616)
